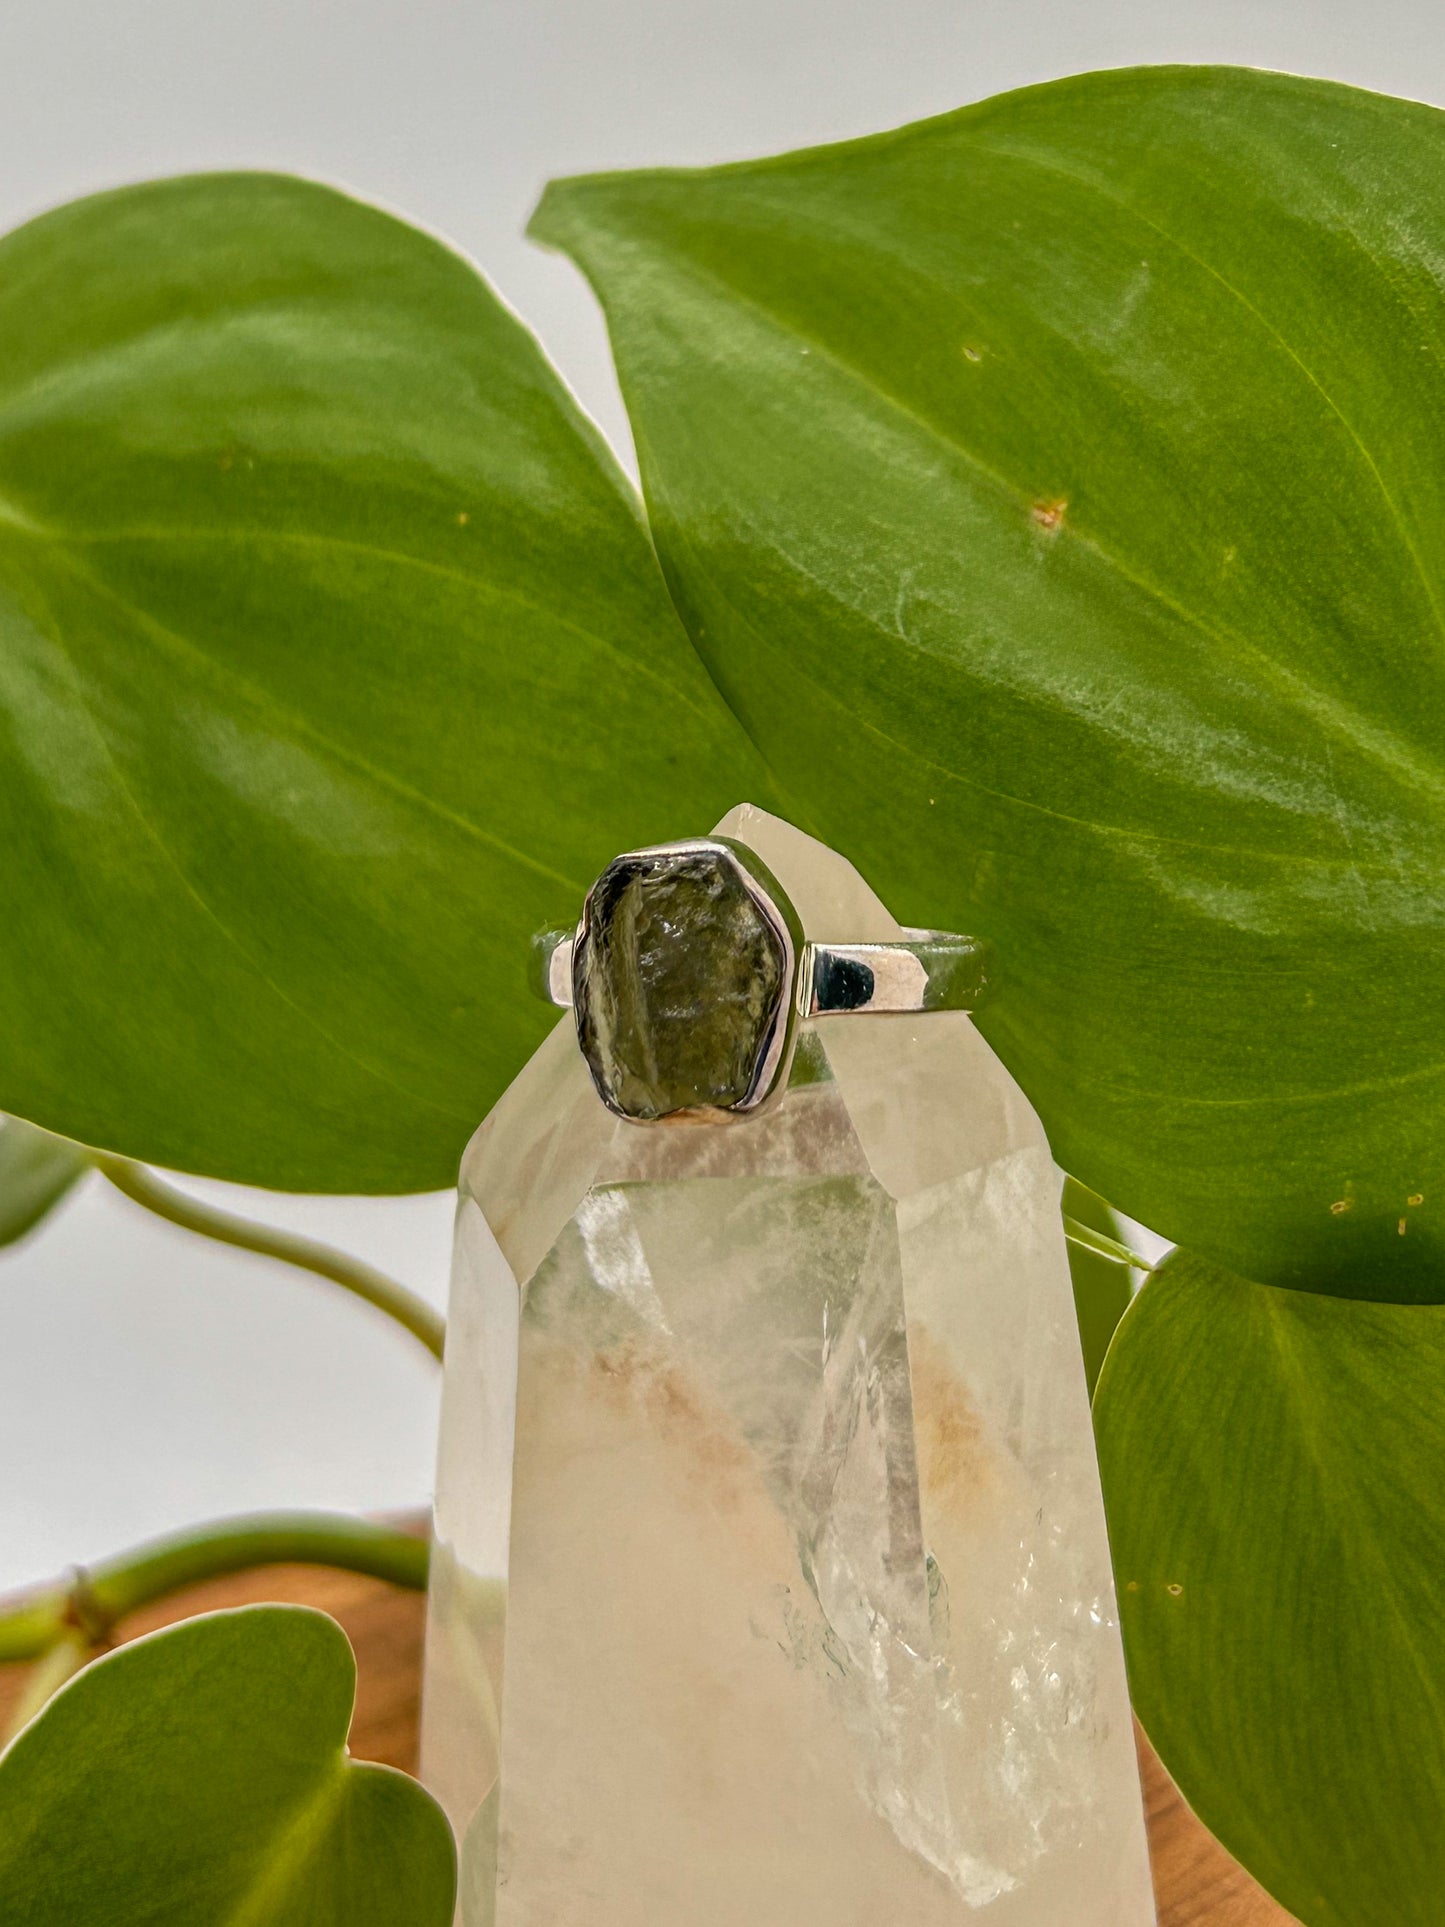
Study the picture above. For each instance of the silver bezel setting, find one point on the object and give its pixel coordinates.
(770, 1073)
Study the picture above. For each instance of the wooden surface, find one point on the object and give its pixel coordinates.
(1197, 1883)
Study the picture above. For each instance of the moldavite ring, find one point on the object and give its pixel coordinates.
(689, 973)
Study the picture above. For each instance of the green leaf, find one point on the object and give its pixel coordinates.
(334, 661)
(1271, 1463)
(1102, 1288)
(36, 1172)
(201, 1775)
(1056, 491)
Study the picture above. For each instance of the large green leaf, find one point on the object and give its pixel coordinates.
(1057, 491)
(201, 1776)
(36, 1172)
(334, 660)
(1272, 1467)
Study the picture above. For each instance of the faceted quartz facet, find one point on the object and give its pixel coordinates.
(766, 1444)
(678, 983)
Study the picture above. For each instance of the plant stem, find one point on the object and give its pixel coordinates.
(406, 1307)
(1102, 1245)
(94, 1600)
(45, 1679)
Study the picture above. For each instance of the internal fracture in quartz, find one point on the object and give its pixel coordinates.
(771, 1576)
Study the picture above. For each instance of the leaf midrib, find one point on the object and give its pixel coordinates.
(300, 727)
(1420, 1074)
(285, 1854)
(1330, 1478)
(347, 1051)
(1119, 832)
(401, 558)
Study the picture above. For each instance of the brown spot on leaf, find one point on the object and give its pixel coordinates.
(1049, 516)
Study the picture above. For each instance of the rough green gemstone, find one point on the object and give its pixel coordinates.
(678, 983)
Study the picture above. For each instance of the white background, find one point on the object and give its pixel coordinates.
(145, 1378)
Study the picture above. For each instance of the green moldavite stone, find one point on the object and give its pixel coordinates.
(678, 984)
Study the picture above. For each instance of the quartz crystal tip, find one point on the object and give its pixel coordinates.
(770, 1581)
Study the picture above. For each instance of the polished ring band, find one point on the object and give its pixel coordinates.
(689, 972)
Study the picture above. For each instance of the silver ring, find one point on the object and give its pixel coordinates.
(688, 974)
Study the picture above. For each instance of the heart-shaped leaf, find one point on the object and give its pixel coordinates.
(36, 1172)
(1272, 1466)
(334, 661)
(1057, 491)
(200, 1776)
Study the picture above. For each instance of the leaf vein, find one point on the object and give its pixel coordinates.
(1326, 711)
(266, 702)
(1033, 159)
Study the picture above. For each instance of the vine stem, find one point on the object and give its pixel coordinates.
(1103, 1246)
(82, 1611)
(45, 1679)
(144, 1188)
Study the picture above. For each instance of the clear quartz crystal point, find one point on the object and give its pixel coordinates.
(767, 1446)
